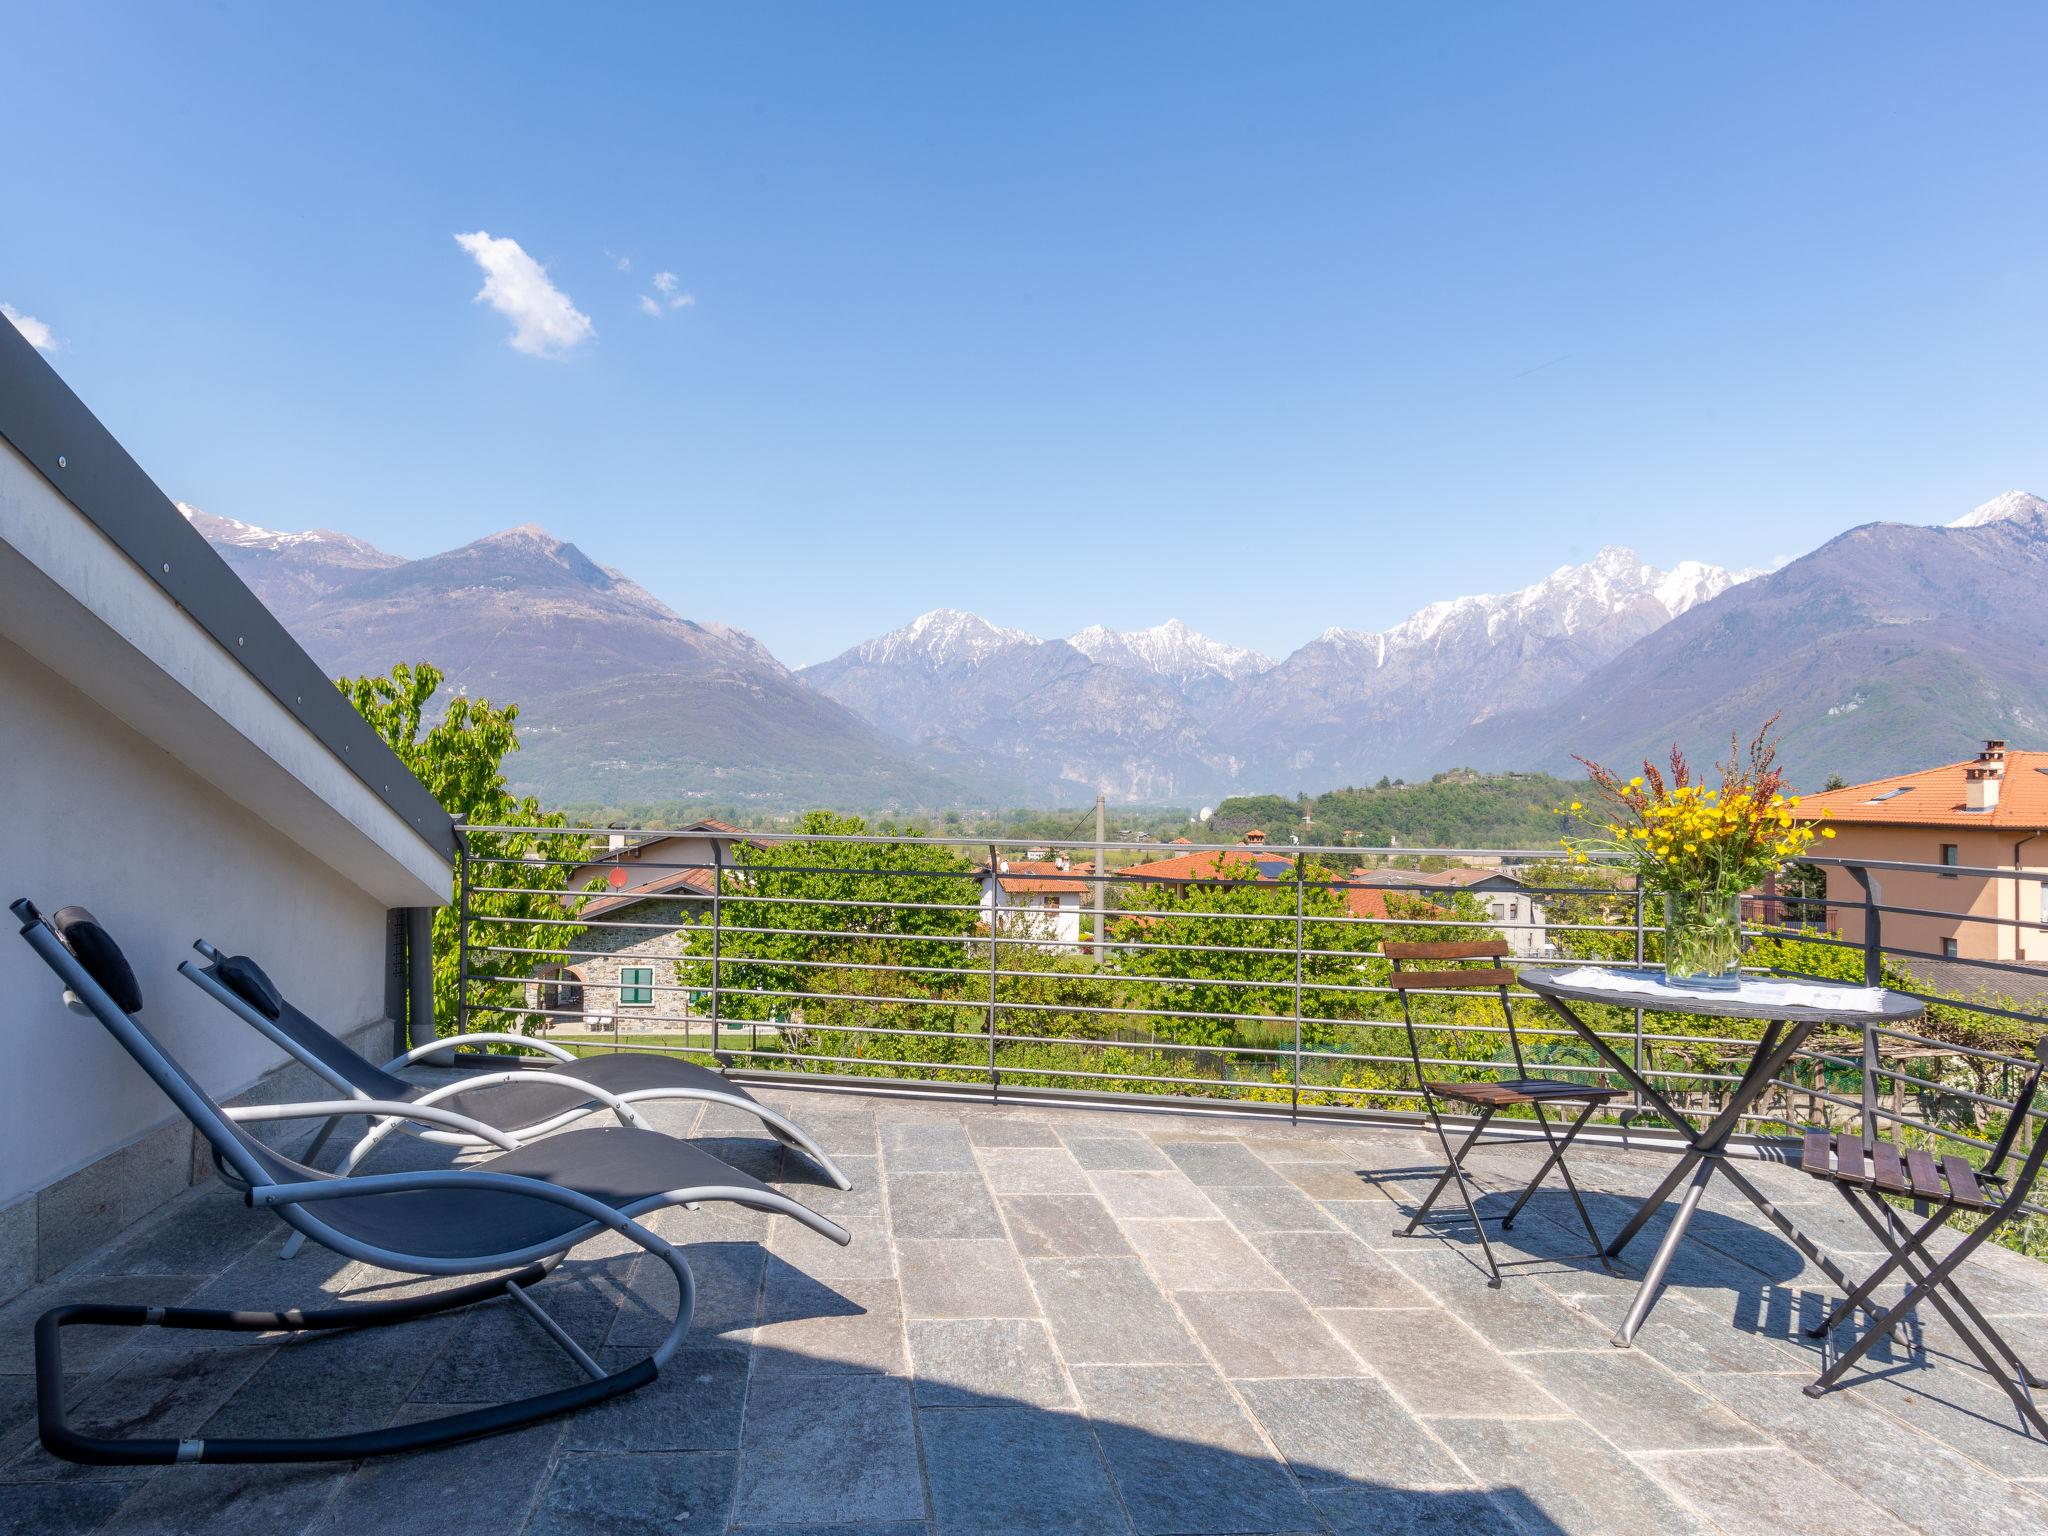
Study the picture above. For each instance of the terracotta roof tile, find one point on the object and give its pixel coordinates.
(1937, 797)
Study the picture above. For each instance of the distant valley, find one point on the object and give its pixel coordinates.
(1888, 647)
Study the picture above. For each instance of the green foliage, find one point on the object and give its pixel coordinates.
(1458, 809)
(460, 758)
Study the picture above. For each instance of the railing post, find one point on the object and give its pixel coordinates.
(462, 927)
(717, 895)
(995, 906)
(1300, 946)
(1873, 937)
(1642, 957)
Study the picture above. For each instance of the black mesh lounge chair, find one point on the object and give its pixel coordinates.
(525, 1101)
(521, 1212)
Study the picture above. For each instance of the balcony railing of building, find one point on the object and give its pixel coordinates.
(876, 961)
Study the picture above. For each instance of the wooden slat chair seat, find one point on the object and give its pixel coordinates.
(1489, 1097)
(1873, 1175)
(1912, 1173)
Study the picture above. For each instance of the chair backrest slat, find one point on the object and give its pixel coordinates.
(1475, 976)
(1451, 949)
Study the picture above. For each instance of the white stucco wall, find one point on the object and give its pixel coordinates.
(101, 817)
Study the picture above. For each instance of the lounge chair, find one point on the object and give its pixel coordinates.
(523, 1102)
(522, 1211)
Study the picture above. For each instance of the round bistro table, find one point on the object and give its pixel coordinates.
(1786, 1027)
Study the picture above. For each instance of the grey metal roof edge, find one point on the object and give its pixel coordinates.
(53, 429)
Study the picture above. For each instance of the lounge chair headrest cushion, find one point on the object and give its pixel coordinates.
(245, 978)
(96, 950)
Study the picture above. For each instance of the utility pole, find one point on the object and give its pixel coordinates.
(1101, 859)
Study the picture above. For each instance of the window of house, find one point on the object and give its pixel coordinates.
(636, 986)
(1948, 949)
(1950, 855)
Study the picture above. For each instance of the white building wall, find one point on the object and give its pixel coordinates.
(105, 819)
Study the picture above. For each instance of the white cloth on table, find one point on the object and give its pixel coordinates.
(1755, 991)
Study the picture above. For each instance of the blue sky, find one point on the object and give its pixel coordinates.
(1268, 318)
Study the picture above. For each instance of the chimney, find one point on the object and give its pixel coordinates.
(1994, 752)
(1061, 862)
(1255, 836)
(1980, 787)
(615, 841)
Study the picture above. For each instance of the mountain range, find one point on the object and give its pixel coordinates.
(1889, 647)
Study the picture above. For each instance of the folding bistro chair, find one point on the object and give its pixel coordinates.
(527, 1100)
(520, 1212)
(1488, 1098)
(1866, 1170)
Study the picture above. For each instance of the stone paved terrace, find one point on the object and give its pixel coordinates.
(1072, 1321)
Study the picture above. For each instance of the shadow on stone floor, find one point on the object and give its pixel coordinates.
(748, 1438)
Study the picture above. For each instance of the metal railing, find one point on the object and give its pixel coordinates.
(913, 963)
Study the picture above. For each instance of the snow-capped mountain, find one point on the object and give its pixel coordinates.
(288, 570)
(942, 638)
(1170, 650)
(2011, 506)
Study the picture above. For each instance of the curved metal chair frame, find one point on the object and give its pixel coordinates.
(389, 1116)
(1487, 1098)
(297, 1194)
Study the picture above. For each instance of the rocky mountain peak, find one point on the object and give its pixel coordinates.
(2013, 506)
(941, 638)
(1171, 650)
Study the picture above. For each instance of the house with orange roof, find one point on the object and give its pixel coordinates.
(1039, 899)
(1254, 859)
(1518, 910)
(1988, 812)
(655, 888)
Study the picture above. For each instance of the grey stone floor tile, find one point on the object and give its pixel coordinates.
(479, 1488)
(821, 1449)
(697, 1403)
(1762, 1492)
(1033, 1171)
(1561, 1473)
(1220, 1162)
(649, 1494)
(985, 1362)
(1064, 1226)
(1518, 1316)
(46, 1508)
(1001, 1130)
(1338, 1432)
(1184, 1454)
(145, 1396)
(960, 1277)
(1437, 1366)
(193, 1234)
(1015, 1472)
(1270, 1208)
(333, 1383)
(85, 1349)
(1201, 1256)
(941, 1205)
(935, 1147)
(1109, 1154)
(834, 1528)
(1264, 1334)
(1637, 1403)
(1130, 1194)
(850, 1323)
(1109, 1311)
(1892, 1464)
(1335, 1269)
(203, 1501)
(1405, 1512)
(1330, 1181)
(727, 1277)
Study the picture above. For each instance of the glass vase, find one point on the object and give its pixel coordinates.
(1703, 940)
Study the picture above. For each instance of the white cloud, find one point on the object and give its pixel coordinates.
(665, 281)
(544, 322)
(625, 263)
(39, 335)
(648, 306)
(669, 286)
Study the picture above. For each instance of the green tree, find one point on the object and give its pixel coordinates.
(806, 917)
(527, 917)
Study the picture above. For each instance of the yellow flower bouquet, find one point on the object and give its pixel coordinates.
(1700, 845)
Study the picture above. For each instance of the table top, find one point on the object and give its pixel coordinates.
(1740, 1002)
